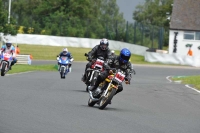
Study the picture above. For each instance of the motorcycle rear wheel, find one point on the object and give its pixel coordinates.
(91, 103)
(94, 78)
(87, 88)
(106, 100)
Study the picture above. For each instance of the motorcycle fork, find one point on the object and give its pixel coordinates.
(109, 88)
(91, 76)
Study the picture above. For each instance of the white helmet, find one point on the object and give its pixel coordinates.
(104, 44)
(112, 52)
(65, 51)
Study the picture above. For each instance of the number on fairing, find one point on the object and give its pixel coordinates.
(99, 63)
(64, 58)
(120, 77)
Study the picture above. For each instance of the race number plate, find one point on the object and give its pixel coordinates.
(120, 77)
(99, 63)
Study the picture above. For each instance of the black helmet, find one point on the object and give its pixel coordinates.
(8, 44)
(104, 44)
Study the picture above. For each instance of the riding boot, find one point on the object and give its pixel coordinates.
(83, 77)
(99, 80)
(12, 63)
(70, 70)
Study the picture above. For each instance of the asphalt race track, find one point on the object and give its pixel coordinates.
(41, 102)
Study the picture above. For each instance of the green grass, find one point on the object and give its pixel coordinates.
(191, 80)
(24, 68)
(42, 52)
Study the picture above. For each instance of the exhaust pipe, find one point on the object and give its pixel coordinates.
(91, 96)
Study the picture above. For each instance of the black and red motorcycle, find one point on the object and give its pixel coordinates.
(93, 72)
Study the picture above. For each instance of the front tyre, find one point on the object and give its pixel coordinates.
(106, 100)
(3, 69)
(62, 73)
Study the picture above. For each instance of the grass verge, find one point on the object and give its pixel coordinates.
(191, 80)
(24, 68)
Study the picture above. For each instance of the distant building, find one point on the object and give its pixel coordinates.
(185, 24)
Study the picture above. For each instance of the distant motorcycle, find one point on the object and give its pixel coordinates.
(93, 72)
(106, 90)
(5, 63)
(63, 64)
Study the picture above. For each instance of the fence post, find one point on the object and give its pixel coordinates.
(152, 36)
(160, 38)
(116, 30)
(126, 40)
(142, 26)
(134, 41)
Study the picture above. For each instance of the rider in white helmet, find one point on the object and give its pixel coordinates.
(66, 53)
(9, 48)
(100, 50)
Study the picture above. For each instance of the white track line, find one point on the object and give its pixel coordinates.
(192, 88)
(188, 86)
(18, 73)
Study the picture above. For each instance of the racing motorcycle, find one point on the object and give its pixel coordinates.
(107, 89)
(5, 63)
(93, 72)
(63, 65)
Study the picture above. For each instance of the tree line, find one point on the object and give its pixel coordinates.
(81, 18)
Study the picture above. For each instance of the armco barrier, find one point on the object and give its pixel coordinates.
(23, 59)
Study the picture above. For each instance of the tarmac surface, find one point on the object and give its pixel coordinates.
(42, 102)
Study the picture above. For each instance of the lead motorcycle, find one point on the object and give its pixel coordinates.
(107, 89)
(5, 62)
(63, 64)
(93, 72)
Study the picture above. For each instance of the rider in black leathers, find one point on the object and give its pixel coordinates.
(118, 62)
(101, 50)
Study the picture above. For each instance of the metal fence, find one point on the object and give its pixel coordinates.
(136, 33)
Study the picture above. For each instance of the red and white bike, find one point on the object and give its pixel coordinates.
(5, 62)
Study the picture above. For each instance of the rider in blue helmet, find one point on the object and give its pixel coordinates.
(125, 55)
(119, 62)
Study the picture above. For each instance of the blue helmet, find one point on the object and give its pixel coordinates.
(125, 55)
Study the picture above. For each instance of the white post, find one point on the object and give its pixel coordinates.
(9, 9)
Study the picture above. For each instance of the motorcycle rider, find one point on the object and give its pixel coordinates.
(101, 50)
(9, 48)
(67, 54)
(119, 62)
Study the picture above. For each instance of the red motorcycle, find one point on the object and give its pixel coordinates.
(5, 63)
(93, 72)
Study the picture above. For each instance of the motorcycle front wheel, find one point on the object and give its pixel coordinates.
(107, 98)
(62, 73)
(3, 69)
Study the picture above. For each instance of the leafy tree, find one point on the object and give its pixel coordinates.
(153, 12)
(81, 18)
(112, 20)
(5, 27)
